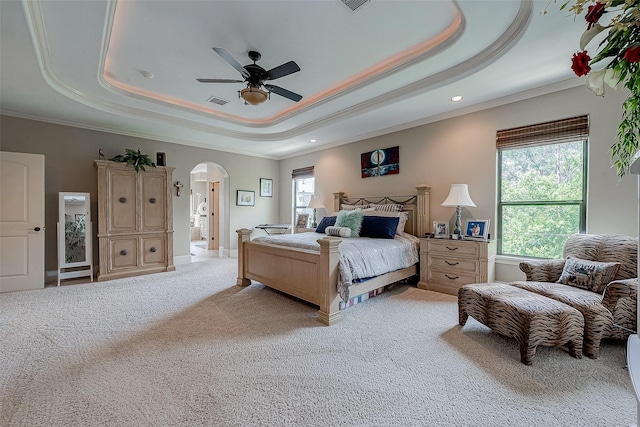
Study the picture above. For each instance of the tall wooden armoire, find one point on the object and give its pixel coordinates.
(135, 220)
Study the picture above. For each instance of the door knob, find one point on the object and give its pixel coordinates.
(37, 229)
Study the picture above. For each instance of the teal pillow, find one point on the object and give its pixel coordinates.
(350, 219)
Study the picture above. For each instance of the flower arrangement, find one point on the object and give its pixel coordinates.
(620, 54)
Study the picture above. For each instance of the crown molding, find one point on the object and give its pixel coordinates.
(495, 50)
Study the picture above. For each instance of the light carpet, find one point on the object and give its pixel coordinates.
(188, 348)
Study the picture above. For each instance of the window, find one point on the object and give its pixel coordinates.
(542, 176)
(303, 189)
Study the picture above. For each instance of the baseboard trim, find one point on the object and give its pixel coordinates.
(182, 260)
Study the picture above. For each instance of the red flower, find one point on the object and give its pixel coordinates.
(594, 13)
(580, 63)
(632, 54)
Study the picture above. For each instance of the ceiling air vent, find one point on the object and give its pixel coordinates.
(354, 4)
(219, 101)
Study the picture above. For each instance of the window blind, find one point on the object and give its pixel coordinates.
(302, 173)
(566, 130)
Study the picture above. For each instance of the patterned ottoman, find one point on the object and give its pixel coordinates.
(530, 318)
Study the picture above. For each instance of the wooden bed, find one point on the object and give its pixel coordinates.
(312, 276)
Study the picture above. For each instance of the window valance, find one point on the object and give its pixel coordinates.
(566, 130)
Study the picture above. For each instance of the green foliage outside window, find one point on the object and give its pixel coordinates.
(542, 198)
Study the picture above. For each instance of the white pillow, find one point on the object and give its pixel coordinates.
(344, 207)
(404, 216)
(338, 231)
(388, 207)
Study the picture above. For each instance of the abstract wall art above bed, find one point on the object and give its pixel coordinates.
(381, 162)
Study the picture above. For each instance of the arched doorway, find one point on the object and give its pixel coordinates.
(209, 211)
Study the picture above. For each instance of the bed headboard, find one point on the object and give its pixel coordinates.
(417, 206)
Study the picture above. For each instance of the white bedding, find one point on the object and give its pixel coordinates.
(360, 257)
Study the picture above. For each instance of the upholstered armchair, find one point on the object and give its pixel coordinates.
(589, 279)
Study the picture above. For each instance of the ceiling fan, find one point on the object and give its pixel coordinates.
(255, 76)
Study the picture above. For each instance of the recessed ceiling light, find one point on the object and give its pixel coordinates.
(312, 140)
(457, 98)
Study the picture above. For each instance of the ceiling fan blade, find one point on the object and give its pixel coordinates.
(282, 70)
(219, 81)
(284, 92)
(232, 61)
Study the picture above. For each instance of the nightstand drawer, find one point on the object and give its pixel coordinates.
(455, 265)
(451, 247)
(450, 278)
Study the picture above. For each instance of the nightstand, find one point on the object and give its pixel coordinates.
(446, 264)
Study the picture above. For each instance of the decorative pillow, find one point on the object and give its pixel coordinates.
(379, 227)
(326, 222)
(403, 216)
(338, 231)
(351, 219)
(388, 207)
(345, 207)
(590, 275)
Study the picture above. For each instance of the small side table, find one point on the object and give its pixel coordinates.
(272, 229)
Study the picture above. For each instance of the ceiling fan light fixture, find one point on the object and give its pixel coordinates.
(254, 95)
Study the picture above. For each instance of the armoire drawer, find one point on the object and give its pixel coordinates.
(153, 250)
(123, 253)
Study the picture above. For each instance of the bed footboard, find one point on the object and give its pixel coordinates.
(308, 275)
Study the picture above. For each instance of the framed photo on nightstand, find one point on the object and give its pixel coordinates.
(303, 220)
(440, 229)
(477, 228)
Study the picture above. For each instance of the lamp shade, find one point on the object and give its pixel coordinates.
(315, 202)
(458, 196)
(254, 95)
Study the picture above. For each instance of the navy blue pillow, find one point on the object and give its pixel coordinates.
(327, 221)
(379, 227)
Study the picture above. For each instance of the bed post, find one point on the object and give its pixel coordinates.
(329, 312)
(422, 203)
(337, 201)
(244, 235)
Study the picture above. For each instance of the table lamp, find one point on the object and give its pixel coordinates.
(458, 197)
(315, 203)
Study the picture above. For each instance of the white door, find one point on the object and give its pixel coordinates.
(21, 221)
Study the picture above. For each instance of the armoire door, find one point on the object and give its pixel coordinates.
(123, 205)
(153, 201)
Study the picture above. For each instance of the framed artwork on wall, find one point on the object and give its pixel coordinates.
(385, 161)
(245, 198)
(266, 187)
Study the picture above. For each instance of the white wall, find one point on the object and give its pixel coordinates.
(69, 153)
(458, 150)
(462, 150)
